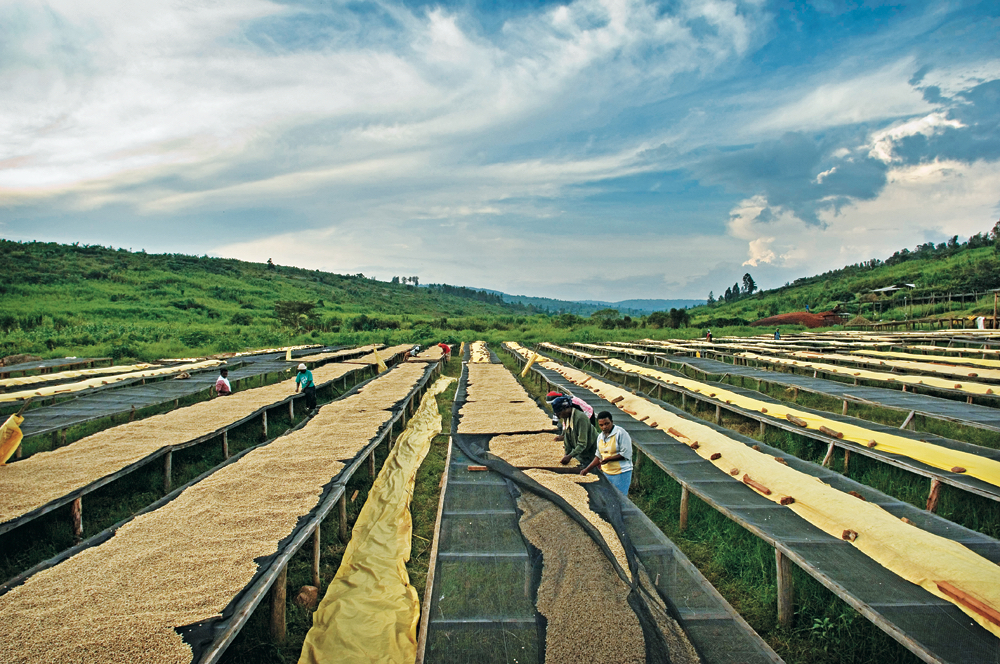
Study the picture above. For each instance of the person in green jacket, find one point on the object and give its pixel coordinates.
(579, 435)
(304, 381)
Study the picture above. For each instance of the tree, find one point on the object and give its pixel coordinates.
(270, 264)
(395, 280)
(728, 295)
(711, 298)
(295, 313)
(658, 319)
(749, 286)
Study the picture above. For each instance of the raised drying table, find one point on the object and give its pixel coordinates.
(933, 629)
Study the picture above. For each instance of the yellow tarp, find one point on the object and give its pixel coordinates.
(930, 381)
(940, 368)
(10, 437)
(69, 388)
(947, 359)
(914, 554)
(982, 468)
(66, 375)
(370, 611)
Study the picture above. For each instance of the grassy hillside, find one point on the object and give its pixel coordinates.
(948, 268)
(77, 300)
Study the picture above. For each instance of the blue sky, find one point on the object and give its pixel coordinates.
(596, 149)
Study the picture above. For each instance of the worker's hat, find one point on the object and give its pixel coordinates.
(302, 367)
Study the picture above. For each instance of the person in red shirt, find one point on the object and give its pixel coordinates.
(222, 386)
(447, 350)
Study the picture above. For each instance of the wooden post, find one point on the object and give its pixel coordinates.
(343, 518)
(684, 508)
(76, 518)
(718, 414)
(684, 400)
(932, 497)
(225, 444)
(829, 455)
(316, 550)
(263, 419)
(371, 464)
(907, 423)
(847, 460)
(168, 462)
(763, 429)
(786, 594)
(291, 410)
(278, 594)
(844, 409)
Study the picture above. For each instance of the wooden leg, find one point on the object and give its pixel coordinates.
(225, 444)
(316, 549)
(932, 497)
(343, 518)
(371, 464)
(829, 455)
(843, 411)
(684, 508)
(168, 464)
(76, 518)
(684, 401)
(847, 460)
(763, 429)
(291, 410)
(786, 594)
(264, 423)
(278, 594)
(718, 414)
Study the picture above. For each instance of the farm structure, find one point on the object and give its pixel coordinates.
(927, 624)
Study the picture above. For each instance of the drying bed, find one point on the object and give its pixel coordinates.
(934, 629)
(207, 553)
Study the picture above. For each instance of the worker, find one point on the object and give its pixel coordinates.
(446, 349)
(777, 334)
(222, 386)
(579, 436)
(708, 336)
(304, 382)
(578, 403)
(614, 453)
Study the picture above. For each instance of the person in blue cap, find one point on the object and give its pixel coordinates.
(579, 435)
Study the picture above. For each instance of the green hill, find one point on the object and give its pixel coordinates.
(82, 300)
(968, 268)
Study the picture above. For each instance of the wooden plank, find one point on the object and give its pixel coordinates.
(432, 566)
(317, 547)
(786, 591)
(168, 462)
(684, 508)
(279, 591)
(76, 518)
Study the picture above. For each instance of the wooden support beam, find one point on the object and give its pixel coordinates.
(76, 518)
(225, 444)
(906, 422)
(843, 411)
(168, 467)
(718, 414)
(684, 400)
(263, 419)
(291, 410)
(371, 464)
(829, 454)
(932, 496)
(847, 460)
(279, 592)
(316, 551)
(343, 518)
(684, 508)
(786, 591)
(763, 428)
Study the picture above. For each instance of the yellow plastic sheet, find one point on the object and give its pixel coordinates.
(378, 360)
(914, 554)
(941, 368)
(930, 381)
(370, 611)
(66, 375)
(982, 468)
(69, 388)
(974, 361)
(10, 437)
(527, 366)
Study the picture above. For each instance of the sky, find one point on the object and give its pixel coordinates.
(595, 149)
